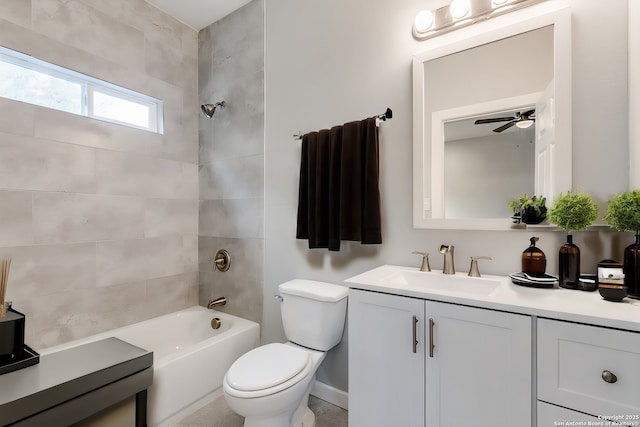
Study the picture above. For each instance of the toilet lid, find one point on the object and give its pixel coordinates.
(266, 366)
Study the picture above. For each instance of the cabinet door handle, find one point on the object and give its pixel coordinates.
(414, 329)
(431, 346)
(609, 377)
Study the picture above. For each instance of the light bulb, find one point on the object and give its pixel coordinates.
(423, 21)
(460, 8)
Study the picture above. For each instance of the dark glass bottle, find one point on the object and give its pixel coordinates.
(632, 268)
(569, 264)
(533, 259)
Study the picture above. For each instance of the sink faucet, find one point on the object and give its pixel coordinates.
(217, 302)
(447, 251)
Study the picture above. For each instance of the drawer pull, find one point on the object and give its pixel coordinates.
(609, 377)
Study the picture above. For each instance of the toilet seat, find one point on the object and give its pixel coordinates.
(267, 370)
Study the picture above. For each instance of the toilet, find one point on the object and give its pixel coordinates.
(269, 386)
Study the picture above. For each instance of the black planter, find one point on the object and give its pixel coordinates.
(531, 216)
(569, 265)
(631, 268)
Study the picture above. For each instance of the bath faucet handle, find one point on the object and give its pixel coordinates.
(473, 270)
(425, 260)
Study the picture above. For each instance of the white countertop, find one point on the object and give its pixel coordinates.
(556, 303)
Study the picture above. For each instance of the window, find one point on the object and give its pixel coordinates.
(24, 78)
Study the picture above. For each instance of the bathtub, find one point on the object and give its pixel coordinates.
(190, 358)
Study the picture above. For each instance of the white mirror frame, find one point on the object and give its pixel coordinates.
(634, 94)
(521, 21)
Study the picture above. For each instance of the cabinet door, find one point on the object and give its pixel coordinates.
(480, 370)
(386, 366)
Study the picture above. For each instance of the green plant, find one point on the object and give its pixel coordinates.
(525, 201)
(573, 211)
(623, 211)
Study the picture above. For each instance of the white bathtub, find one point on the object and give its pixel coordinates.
(189, 357)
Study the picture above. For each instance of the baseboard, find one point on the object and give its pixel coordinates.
(330, 394)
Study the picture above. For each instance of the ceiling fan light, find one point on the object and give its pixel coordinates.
(523, 124)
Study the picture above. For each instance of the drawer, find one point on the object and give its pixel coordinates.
(573, 361)
(553, 416)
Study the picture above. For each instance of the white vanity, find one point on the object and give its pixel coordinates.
(427, 349)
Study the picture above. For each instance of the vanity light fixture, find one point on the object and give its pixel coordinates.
(448, 16)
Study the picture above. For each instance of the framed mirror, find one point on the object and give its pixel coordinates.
(504, 75)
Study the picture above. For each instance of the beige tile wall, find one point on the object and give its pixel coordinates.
(231, 173)
(101, 220)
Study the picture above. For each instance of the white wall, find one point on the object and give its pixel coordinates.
(330, 61)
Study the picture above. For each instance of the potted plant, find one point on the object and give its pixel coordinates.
(572, 211)
(623, 214)
(529, 209)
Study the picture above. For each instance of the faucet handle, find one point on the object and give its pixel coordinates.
(473, 270)
(425, 260)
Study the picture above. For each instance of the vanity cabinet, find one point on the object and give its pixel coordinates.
(414, 362)
(589, 369)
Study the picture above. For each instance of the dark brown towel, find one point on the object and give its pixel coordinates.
(359, 191)
(339, 197)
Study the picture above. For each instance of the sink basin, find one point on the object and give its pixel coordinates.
(458, 283)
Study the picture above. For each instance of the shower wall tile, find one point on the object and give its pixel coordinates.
(72, 218)
(240, 218)
(76, 24)
(67, 316)
(132, 175)
(168, 294)
(21, 119)
(123, 261)
(165, 217)
(15, 218)
(44, 270)
(232, 178)
(36, 164)
(16, 11)
(100, 220)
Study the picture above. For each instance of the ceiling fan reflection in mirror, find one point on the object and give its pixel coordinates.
(520, 119)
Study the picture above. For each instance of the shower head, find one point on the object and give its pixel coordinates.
(210, 109)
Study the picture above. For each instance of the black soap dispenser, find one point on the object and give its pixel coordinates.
(533, 259)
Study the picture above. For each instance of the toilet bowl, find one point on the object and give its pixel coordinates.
(270, 384)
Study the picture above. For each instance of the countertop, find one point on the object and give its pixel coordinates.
(67, 374)
(555, 303)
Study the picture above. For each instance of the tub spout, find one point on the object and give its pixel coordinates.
(217, 302)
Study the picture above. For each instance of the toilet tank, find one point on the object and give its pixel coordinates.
(313, 313)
